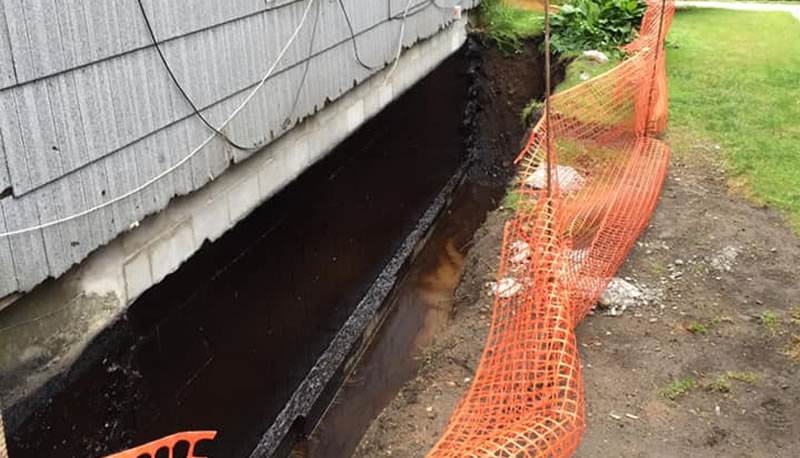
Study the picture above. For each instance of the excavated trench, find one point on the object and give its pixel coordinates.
(290, 333)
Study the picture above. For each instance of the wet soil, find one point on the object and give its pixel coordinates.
(745, 399)
(421, 303)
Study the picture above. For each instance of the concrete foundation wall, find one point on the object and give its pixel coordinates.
(42, 332)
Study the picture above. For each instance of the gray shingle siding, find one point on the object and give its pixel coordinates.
(88, 112)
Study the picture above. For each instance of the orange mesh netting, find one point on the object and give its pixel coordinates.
(560, 252)
(167, 446)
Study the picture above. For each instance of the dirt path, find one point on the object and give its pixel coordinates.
(793, 9)
(721, 268)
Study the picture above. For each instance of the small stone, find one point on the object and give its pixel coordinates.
(653, 320)
(759, 302)
(467, 380)
(429, 409)
(679, 262)
(717, 411)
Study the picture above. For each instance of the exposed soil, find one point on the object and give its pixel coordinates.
(505, 84)
(421, 302)
(697, 232)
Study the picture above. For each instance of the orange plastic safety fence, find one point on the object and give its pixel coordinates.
(169, 443)
(3, 449)
(560, 252)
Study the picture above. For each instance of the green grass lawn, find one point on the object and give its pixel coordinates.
(582, 65)
(507, 26)
(734, 81)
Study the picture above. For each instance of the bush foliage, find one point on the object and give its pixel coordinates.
(603, 25)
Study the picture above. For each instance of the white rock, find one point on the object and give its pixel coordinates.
(569, 180)
(507, 287)
(726, 259)
(520, 251)
(621, 294)
(596, 56)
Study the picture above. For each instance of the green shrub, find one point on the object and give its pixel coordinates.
(604, 25)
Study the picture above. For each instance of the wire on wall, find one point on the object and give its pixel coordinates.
(408, 11)
(288, 121)
(353, 38)
(186, 158)
(178, 85)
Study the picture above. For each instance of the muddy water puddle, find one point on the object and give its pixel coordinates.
(419, 307)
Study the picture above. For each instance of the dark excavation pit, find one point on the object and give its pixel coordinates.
(225, 342)
(422, 301)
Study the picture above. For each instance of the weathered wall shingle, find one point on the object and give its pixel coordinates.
(88, 112)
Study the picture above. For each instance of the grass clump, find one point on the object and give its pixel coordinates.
(747, 377)
(511, 201)
(795, 314)
(526, 112)
(721, 319)
(722, 384)
(792, 351)
(733, 83)
(696, 327)
(770, 322)
(507, 26)
(677, 388)
(657, 268)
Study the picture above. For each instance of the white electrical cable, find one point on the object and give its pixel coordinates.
(187, 157)
(399, 44)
